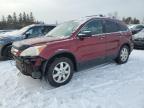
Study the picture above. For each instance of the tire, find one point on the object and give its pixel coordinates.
(56, 75)
(7, 52)
(123, 55)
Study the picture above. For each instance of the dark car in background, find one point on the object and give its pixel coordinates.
(71, 45)
(139, 40)
(31, 31)
(136, 28)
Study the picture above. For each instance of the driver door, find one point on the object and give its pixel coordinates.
(94, 46)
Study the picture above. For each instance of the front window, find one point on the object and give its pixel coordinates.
(35, 32)
(64, 30)
(95, 27)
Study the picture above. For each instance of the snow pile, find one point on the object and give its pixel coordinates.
(105, 86)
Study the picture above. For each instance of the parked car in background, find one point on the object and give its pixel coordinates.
(31, 31)
(70, 46)
(136, 28)
(4, 31)
(139, 40)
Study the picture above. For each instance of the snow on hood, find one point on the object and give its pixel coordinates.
(34, 41)
(139, 35)
(10, 35)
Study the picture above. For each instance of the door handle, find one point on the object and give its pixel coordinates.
(102, 37)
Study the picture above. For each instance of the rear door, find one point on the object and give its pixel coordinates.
(92, 47)
(113, 36)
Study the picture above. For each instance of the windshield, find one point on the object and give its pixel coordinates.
(17, 32)
(23, 30)
(131, 26)
(64, 29)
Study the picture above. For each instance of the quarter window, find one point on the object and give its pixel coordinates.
(95, 27)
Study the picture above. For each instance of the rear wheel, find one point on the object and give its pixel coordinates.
(123, 55)
(60, 72)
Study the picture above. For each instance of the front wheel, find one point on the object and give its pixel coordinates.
(7, 52)
(123, 55)
(60, 72)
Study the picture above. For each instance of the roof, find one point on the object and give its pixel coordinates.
(42, 25)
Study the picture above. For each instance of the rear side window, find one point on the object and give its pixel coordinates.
(94, 26)
(122, 27)
(110, 26)
(47, 29)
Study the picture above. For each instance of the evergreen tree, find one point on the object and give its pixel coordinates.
(3, 22)
(20, 18)
(9, 19)
(28, 18)
(24, 18)
(14, 18)
(14, 22)
(31, 18)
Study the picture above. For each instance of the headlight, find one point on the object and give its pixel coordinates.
(32, 51)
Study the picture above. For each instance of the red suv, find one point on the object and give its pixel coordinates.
(70, 46)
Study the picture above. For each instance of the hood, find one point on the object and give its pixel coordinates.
(10, 35)
(21, 45)
(139, 35)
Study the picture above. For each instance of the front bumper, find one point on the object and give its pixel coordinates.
(139, 44)
(29, 66)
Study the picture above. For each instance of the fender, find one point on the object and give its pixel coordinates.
(59, 53)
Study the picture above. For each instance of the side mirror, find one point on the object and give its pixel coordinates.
(27, 34)
(85, 34)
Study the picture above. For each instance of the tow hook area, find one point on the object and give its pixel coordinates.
(36, 74)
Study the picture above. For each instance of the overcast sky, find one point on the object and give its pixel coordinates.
(62, 10)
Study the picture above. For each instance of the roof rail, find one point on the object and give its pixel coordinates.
(100, 15)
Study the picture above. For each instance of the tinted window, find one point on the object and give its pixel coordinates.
(94, 26)
(122, 27)
(139, 27)
(111, 26)
(46, 29)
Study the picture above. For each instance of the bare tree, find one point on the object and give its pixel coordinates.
(113, 15)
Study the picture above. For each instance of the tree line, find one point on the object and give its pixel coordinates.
(130, 20)
(15, 21)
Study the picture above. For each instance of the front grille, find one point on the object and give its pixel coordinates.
(26, 69)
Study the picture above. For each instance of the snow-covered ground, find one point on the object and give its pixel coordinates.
(105, 86)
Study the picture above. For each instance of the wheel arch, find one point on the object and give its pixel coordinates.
(128, 45)
(67, 54)
(2, 51)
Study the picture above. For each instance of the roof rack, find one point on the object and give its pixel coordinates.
(100, 15)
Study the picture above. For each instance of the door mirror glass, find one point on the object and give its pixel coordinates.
(27, 34)
(85, 34)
